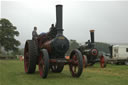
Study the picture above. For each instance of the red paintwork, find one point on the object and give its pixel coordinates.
(47, 46)
(74, 65)
(26, 60)
(84, 61)
(95, 51)
(41, 65)
(102, 62)
(55, 61)
(44, 42)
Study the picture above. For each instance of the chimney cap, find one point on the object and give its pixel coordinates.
(59, 5)
(92, 30)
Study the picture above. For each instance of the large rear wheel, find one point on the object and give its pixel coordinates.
(43, 63)
(30, 56)
(76, 65)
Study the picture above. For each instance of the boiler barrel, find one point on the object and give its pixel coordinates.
(57, 46)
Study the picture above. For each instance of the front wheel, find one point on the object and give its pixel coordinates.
(103, 62)
(43, 63)
(76, 65)
(85, 61)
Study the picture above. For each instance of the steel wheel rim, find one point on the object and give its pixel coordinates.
(74, 65)
(26, 59)
(84, 61)
(41, 65)
(102, 62)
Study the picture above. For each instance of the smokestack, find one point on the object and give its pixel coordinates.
(59, 18)
(92, 36)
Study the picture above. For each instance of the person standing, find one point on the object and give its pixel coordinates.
(34, 34)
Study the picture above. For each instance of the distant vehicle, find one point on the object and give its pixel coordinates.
(91, 55)
(118, 54)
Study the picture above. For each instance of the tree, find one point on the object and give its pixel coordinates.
(19, 52)
(102, 47)
(7, 35)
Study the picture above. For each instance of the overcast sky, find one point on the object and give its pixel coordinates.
(109, 19)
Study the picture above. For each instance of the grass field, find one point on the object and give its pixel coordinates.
(12, 73)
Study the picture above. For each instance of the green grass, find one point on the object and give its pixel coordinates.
(12, 73)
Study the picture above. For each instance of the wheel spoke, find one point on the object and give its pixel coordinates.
(75, 69)
(41, 61)
(76, 62)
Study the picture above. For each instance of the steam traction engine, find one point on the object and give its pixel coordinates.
(48, 51)
(90, 53)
